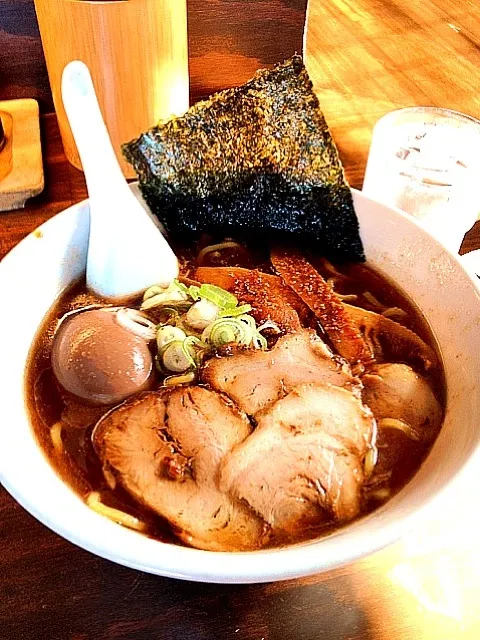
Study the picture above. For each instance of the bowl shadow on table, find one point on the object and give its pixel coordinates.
(88, 597)
(295, 609)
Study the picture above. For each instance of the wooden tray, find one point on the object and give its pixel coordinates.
(23, 152)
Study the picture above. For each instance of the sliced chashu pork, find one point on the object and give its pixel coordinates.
(395, 391)
(256, 379)
(316, 293)
(408, 417)
(270, 298)
(165, 450)
(303, 464)
(390, 339)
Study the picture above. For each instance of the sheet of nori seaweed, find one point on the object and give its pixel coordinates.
(254, 159)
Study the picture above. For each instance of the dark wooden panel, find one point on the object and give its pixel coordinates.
(228, 41)
(22, 67)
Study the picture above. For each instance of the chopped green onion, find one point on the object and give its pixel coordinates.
(248, 320)
(176, 358)
(187, 351)
(194, 348)
(166, 298)
(183, 287)
(268, 324)
(201, 314)
(259, 341)
(171, 316)
(217, 295)
(196, 342)
(235, 311)
(172, 293)
(153, 291)
(193, 292)
(167, 334)
(181, 352)
(225, 330)
(153, 301)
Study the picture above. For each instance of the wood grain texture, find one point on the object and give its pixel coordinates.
(25, 176)
(137, 54)
(228, 41)
(366, 57)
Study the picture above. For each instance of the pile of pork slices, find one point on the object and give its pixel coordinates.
(271, 447)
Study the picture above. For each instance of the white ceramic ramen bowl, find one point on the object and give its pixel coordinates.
(41, 266)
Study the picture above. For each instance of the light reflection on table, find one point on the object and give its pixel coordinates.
(429, 581)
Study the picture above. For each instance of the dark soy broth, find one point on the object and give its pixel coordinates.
(77, 463)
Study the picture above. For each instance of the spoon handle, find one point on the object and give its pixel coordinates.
(126, 251)
(98, 158)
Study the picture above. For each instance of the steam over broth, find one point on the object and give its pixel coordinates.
(63, 423)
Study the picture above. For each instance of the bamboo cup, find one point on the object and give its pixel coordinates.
(137, 53)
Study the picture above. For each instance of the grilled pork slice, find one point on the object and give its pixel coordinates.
(165, 451)
(256, 379)
(395, 391)
(408, 417)
(303, 464)
(389, 339)
(317, 294)
(270, 298)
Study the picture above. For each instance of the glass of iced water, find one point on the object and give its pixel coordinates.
(426, 161)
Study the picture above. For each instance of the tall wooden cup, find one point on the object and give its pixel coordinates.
(137, 53)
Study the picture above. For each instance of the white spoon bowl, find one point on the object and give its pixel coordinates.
(394, 243)
(126, 251)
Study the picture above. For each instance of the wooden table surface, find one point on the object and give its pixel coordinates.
(365, 57)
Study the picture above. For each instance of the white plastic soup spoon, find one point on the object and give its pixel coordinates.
(126, 252)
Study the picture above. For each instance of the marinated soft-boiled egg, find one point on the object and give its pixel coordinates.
(99, 360)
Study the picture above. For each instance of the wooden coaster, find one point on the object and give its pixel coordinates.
(21, 158)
